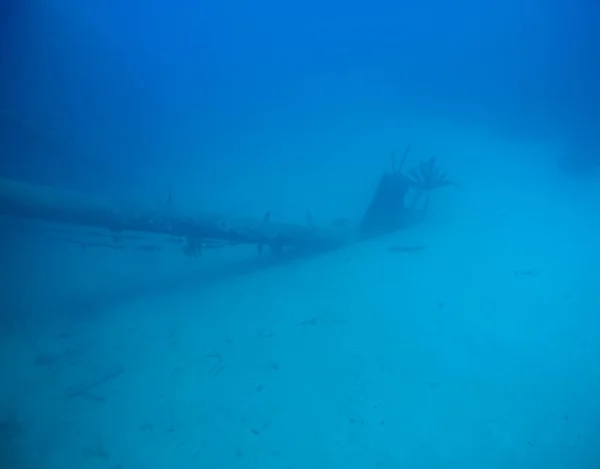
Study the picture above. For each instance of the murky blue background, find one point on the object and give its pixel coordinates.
(468, 341)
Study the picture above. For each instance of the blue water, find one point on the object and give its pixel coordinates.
(469, 340)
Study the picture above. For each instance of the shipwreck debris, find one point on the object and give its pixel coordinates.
(85, 387)
(389, 209)
(27, 201)
(387, 212)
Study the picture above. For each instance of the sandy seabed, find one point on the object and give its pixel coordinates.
(478, 351)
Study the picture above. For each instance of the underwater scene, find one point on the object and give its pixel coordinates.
(300, 235)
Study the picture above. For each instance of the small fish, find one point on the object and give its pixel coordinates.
(266, 335)
(310, 322)
(258, 431)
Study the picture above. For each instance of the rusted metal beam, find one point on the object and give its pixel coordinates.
(23, 200)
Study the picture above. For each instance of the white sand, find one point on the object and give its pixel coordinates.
(452, 357)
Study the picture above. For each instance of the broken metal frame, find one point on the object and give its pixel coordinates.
(21, 200)
(387, 212)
